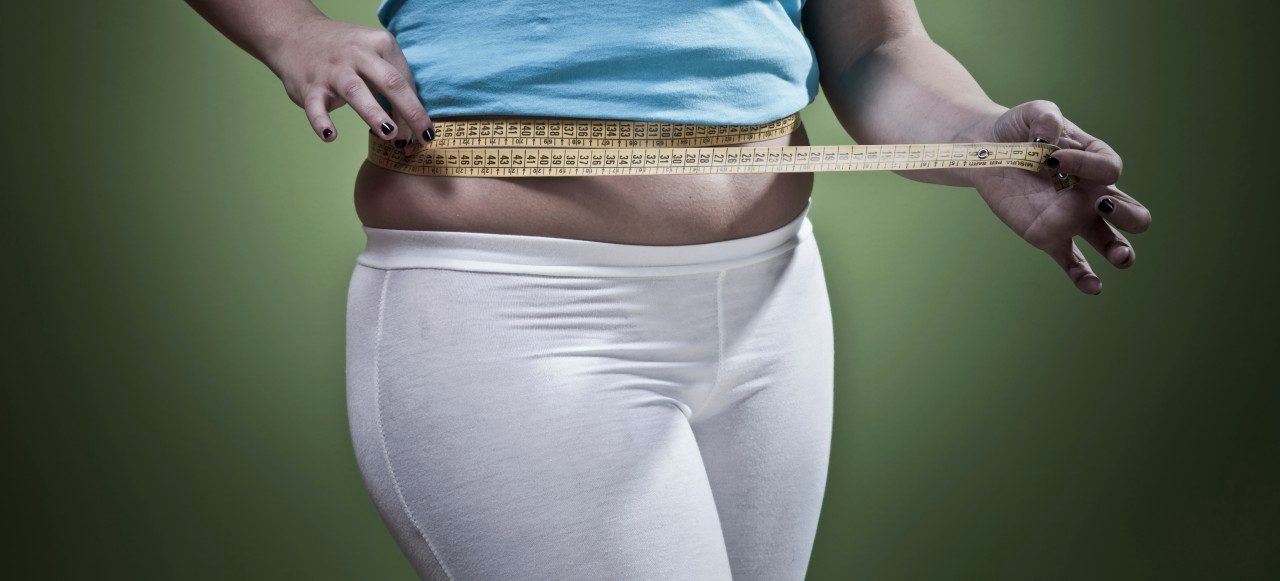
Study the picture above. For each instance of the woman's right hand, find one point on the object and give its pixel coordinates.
(324, 63)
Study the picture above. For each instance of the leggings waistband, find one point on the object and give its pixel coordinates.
(389, 249)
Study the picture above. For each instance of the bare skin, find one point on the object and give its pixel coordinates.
(886, 80)
(652, 210)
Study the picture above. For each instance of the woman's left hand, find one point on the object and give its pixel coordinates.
(1048, 219)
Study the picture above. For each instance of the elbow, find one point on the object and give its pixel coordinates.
(842, 76)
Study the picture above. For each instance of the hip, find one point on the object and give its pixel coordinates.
(460, 308)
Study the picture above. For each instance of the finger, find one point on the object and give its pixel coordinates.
(400, 90)
(1096, 162)
(394, 55)
(353, 89)
(1121, 209)
(1034, 120)
(318, 115)
(1069, 143)
(1110, 243)
(403, 132)
(1069, 257)
(405, 140)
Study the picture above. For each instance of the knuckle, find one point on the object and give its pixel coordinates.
(317, 98)
(372, 111)
(382, 39)
(310, 102)
(1103, 168)
(315, 106)
(413, 116)
(394, 81)
(350, 87)
(355, 47)
(1044, 106)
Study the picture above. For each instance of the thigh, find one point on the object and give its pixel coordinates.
(765, 435)
(498, 444)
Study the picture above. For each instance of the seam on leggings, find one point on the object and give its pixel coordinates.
(719, 343)
(715, 385)
(382, 434)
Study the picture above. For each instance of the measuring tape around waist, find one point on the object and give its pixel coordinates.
(534, 147)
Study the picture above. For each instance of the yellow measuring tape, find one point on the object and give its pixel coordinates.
(533, 147)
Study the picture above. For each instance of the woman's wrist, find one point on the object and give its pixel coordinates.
(273, 44)
(979, 127)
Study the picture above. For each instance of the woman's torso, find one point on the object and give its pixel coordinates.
(687, 61)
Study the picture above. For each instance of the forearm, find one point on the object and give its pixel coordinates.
(910, 90)
(257, 26)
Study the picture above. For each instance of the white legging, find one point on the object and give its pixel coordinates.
(527, 407)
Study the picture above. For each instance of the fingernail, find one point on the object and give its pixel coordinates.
(387, 128)
(1106, 205)
(1052, 162)
(327, 133)
(399, 142)
(1039, 140)
(429, 134)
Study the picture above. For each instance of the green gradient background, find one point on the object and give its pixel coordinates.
(176, 248)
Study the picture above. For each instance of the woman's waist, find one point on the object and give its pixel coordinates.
(634, 209)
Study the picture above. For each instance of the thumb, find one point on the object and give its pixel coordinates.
(1032, 120)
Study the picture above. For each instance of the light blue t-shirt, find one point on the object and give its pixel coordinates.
(723, 62)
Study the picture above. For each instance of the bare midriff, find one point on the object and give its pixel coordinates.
(648, 209)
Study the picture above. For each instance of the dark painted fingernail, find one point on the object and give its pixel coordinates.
(327, 133)
(429, 134)
(1106, 205)
(1039, 140)
(1052, 162)
(387, 128)
(399, 142)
